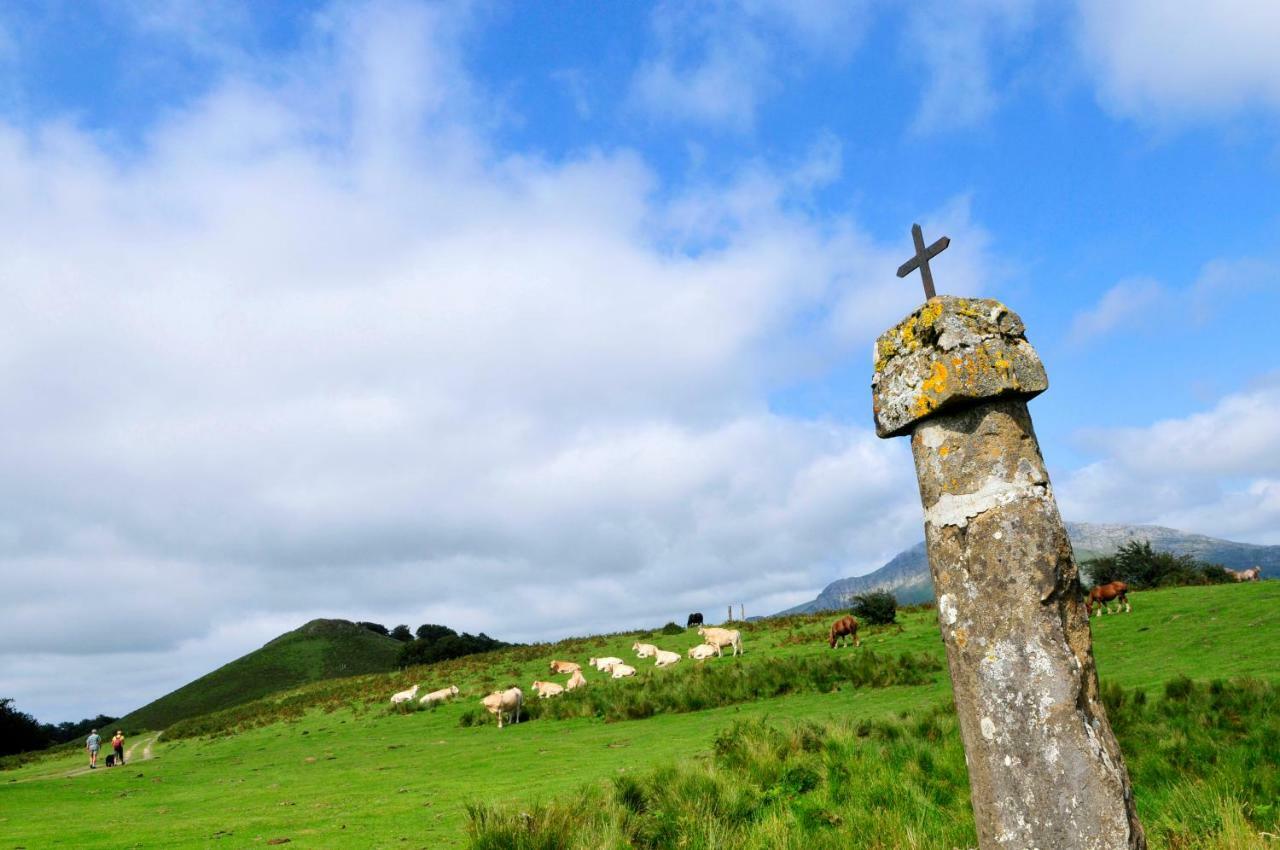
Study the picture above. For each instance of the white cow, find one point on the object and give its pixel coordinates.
(577, 680)
(720, 638)
(620, 670)
(703, 651)
(662, 658)
(603, 664)
(509, 702)
(565, 666)
(548, 689)
(644, 650)
(404, 696)
(440, 695)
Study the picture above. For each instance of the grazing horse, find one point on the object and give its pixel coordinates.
(845, 627)
(695, 619)
(1105, 593)
(1251, 574)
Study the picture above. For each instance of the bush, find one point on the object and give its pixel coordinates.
(672, 629)
(1142, 568)
(877, 608)
(447, 646)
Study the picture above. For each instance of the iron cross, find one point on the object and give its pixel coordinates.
(921, 259)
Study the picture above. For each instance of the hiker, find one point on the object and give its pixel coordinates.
(117, 744)
(93, 743)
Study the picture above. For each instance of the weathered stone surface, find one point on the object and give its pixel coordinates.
(1044, 767)
(948, 352)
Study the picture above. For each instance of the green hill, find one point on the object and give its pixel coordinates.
(322, 649)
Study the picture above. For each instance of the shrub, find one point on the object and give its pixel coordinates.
(877, 608)
(672, 629)
(1139, 566)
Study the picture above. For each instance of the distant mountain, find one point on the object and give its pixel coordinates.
(907, 574)
(322, 649)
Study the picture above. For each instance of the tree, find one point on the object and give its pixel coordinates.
(430, 631)
(877, 608)
(452, 645)
(402, 633)
(377, 628)
(1141, 567)
(19, 731)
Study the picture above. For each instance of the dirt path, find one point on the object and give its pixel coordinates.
(147, 755)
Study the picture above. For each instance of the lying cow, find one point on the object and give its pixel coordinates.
(548, 689)
(703, 651)
(664, 658)
(507, 702)
(720, 638)
(440, 695)
(644, 650)
(577, 680)
(565, 667)
(620, 670)
(603, 664)
(404, 696)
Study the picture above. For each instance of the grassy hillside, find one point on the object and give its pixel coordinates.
(322, 649)
(332, 766)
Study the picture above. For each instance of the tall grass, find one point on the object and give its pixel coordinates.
(1205, 761)
(728, 682)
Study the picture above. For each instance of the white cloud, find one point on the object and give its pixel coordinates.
(1128, 302)
(1216, 472)
(317, 350)
(715, 63)
(1180, 59)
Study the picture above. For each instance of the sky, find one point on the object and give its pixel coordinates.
(547, 319)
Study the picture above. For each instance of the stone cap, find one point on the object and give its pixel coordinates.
(951, 352)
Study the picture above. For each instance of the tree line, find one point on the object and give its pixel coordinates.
(432, 642)
(1142, 568)
(21, 733)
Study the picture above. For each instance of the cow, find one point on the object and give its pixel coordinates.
(1251, 574)
(842, 629)
(565, 667)
(1105, 593)
(603, 664)
(644, 650)
(440, 695)
(577, 680)
(404, 696)
(662, 658)
(720, 638)
(507, 702)
(620, 670)
(703, 651)
(695, 619)
(548, 689)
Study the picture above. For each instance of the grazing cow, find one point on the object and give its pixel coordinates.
(644, 650)
(577, 680)
(507, 702)
(548, 689)
(440, 695)
(662, 658)
(620, 670)
(603, 664)
(404, 696)
(695, 619)
(1105, 593)
(843, 629)
(1251, 574)
(565, 667)
(720, 638)
(703, 651)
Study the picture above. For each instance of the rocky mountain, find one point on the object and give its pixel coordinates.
(906, 575)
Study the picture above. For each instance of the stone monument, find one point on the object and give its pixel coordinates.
(1044, 767)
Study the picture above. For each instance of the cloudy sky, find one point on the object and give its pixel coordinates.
(542, 319)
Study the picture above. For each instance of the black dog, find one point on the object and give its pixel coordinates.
(111, 760)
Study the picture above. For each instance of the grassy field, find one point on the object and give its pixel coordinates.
(333, 767)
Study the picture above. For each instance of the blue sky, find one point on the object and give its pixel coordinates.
(430, 312)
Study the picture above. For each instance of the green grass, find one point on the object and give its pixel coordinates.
(322, 649)
(381, 779)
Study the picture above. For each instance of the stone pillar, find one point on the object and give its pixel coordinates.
(1044, 766)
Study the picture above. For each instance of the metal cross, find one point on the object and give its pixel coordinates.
(921, 259)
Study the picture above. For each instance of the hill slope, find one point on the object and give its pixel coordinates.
(322, 649)
(907, 574)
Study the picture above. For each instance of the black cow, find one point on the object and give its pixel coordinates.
(695, 619)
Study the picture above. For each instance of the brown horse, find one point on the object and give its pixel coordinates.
(1105, 593)
(845, 627)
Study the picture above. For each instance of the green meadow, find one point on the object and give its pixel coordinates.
(792, 760)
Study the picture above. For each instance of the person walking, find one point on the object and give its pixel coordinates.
(93, 743)
(117, 744)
